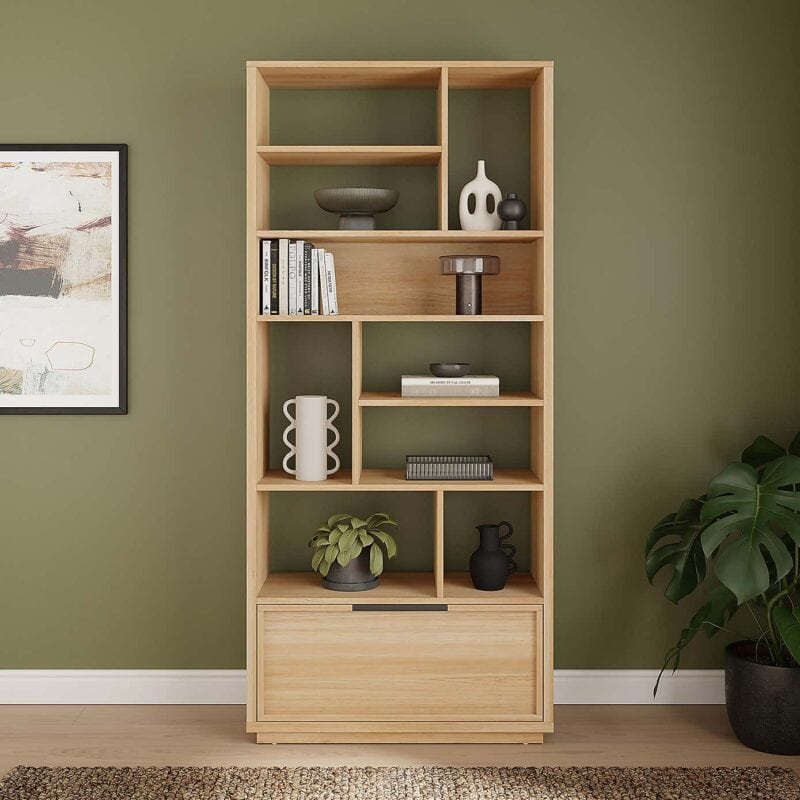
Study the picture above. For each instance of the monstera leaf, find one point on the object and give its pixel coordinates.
(764, 450)
(719, 607)
(683, 552)
(759, 508)
(788, 625)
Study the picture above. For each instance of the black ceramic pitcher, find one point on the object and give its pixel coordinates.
(492, 563)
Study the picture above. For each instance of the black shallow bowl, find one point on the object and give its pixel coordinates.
(448, 370)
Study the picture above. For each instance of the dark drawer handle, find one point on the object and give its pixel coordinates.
(399, 607)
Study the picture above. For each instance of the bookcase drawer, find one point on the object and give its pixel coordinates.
(434, 662)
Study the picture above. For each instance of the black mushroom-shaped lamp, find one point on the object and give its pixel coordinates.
(469, 272)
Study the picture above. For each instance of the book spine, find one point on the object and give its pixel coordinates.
(330, 280)
(266, 276)
(449, 391)
(424, 380)
(273, 283)
(323, 284)
(292, 277)
(315, 281)
(307, 278)
(283, 276)
(298, 306)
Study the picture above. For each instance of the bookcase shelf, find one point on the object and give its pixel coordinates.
(393, 480)
(404, 237)
(403, 318)
(392, 399)
(397, 587)
(350, 155)
(488, 639)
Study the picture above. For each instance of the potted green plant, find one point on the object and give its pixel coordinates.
(349, 552)
(748, 525)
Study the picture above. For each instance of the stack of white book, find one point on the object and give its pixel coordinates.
(468, 386)
(297, 278)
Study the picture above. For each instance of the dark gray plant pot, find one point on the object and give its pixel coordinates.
(763, 702)
(355, 577)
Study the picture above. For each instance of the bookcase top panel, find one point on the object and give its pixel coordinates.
(405, 74)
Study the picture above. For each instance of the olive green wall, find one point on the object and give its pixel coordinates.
(677, 278)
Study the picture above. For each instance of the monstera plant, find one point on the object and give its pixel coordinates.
(740, 545)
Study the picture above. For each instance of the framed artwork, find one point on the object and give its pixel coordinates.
(63, 294)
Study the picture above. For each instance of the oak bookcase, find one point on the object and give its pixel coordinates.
(434, 660)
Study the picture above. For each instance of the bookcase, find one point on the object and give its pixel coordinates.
(424, 657)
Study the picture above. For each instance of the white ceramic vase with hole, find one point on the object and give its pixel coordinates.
(482, 189)
(311, 449)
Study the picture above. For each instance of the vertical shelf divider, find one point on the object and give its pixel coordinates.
(442, 124)
(438, 543)
(356, 356)
(257, 366)
(542, 507)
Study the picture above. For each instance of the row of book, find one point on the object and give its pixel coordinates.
(468, 386)
(297, 278)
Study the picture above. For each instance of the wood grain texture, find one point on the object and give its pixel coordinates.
(489, 654)
(305, 588)
(399, 236)
(383, 480)
(625, 736)
(405, 318)
(352, 155)
(445, 673)
(438, 543)
(399, 74)
(407, 279)
(510, 399)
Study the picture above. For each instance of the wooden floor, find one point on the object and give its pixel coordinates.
(212, 736)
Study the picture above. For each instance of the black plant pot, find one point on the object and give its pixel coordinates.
(355, 577)
(763, 701)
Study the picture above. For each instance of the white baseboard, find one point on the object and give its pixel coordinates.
(635, 687)
(227, 687)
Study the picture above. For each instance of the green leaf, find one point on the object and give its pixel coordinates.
(374, 519)
(335, 536)
(316, 559)
(321, 541)
(388, 541)
(740, 501)
(366, 538)
(357, 524)
(343, 558)
(720, 606)
(343, 527)
(375, 560)
(331, 551)
(347, 540)
(683, 553)
(357, 548)
(336, 518)
(324, 568)
(788, 625)
(762, 451)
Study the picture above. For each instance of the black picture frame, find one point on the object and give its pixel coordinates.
(122, 267)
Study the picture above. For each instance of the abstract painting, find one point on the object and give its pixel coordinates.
(63, 235)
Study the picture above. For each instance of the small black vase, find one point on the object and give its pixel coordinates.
(492, 563)
(512, 211)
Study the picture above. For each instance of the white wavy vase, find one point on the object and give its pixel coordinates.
(481, 219)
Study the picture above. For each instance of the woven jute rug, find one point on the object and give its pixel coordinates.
(398, 783)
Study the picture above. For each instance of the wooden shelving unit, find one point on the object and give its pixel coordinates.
(492, 681)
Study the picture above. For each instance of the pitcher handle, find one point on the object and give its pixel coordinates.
(291, 427)
(508, 549)
(330, 427)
